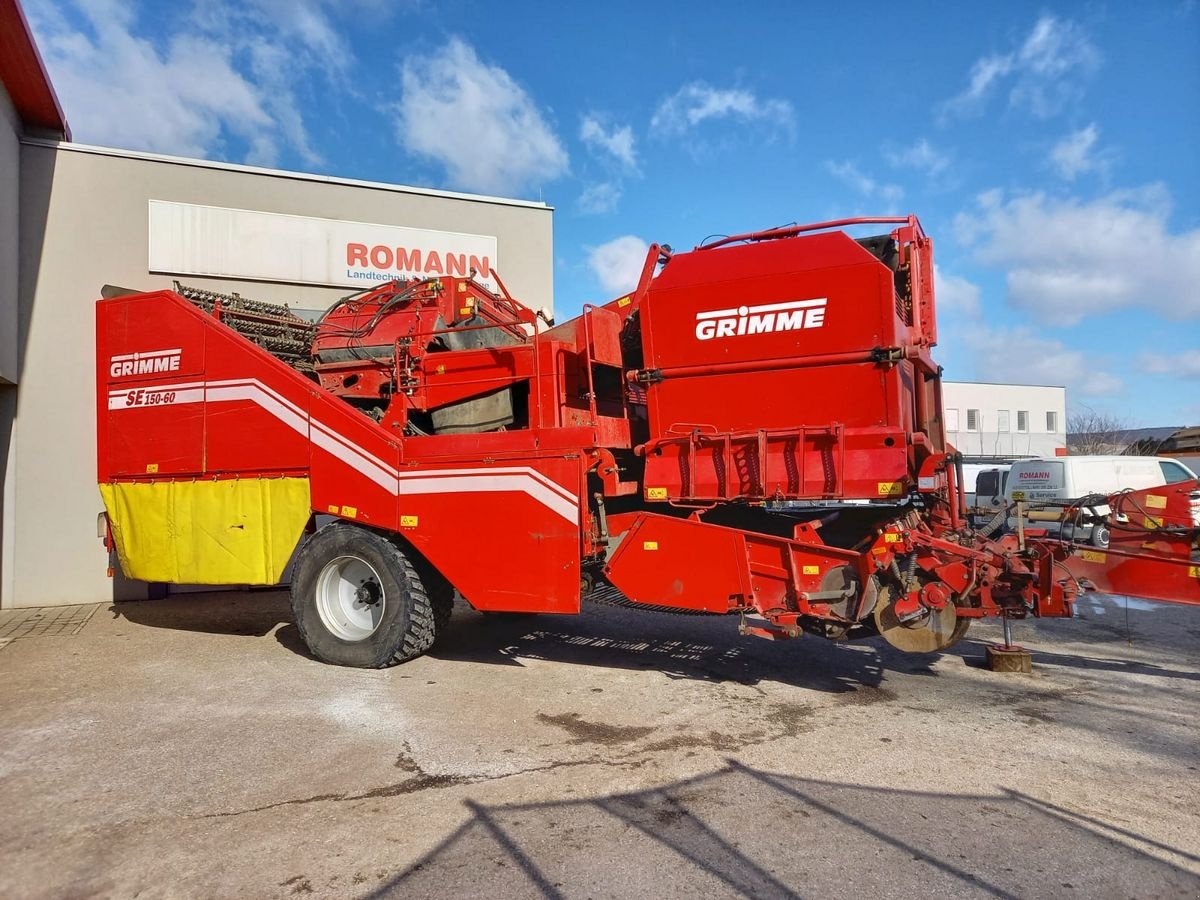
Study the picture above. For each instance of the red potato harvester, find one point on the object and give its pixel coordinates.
(755, 430)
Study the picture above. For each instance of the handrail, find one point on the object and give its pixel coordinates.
(791, 230)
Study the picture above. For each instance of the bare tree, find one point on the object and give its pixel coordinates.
(1092, 432)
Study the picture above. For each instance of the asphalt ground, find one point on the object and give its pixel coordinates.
(191, 748)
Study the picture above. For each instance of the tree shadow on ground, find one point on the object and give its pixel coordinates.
(746, 832)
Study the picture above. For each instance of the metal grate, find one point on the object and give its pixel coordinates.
(272, 326)
(44, 621)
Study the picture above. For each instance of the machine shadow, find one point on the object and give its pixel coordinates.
(704, 648)
(252, 613)
(719, 833)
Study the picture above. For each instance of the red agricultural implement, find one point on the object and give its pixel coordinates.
(755, 430)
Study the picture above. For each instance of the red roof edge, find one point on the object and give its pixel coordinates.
(24, 75)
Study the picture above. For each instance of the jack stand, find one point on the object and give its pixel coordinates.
(1009, 657)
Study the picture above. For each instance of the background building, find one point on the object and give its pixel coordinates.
(1005, 421)
(74, 218)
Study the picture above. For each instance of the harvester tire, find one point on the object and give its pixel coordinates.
(360, 601)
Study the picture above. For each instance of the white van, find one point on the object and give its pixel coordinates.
(988, 497)
(1049, 485)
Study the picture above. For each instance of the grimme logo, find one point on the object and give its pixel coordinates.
(145, 363)
(770, 317)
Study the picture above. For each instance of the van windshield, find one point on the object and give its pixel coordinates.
(988, 484)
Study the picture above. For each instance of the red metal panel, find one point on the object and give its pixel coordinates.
(506, 534)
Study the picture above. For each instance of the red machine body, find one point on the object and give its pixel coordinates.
(755, 429)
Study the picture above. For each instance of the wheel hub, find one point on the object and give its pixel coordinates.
(350, 598)
(369, 593)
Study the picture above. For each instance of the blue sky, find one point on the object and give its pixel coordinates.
(1050, 149)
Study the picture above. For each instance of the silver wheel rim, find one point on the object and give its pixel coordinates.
(350, 598)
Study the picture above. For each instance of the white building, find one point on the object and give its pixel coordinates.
(999, 421)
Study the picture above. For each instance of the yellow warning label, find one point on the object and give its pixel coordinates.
(333, 509)
(408, 521)
(441, 370)
(349, 512)
(1093, 556)
(1194, 571)
(1156, 501)
(1153, 522)
(649, 545)
(890, 488)
(812, 570)
(151, 468)
(658, 493)
(1018, 495)
(623, 302)
(462, 286)
(465, 311)
(890, 538)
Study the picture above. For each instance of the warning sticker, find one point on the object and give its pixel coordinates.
(656, 493)
(408, 521)
(649, 545)
(350, 512)
(1156, 501)
(1093, 556)
(812, 570)
(890, 488)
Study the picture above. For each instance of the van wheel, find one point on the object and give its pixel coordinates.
(1100, 536)
(359, 600)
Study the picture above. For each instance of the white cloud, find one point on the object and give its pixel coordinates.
(1045, 72)
(1175, 365)
(476, 121)
(921, 156)
(1067, 259)
(617, 142)
(599, 198)
(697, 102)
(1076, 154)
(955, 294)
(120, 90)
(229, 72)
(617, 265)
(849, 173)
(1022, 356)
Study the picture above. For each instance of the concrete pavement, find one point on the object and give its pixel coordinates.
(191, 748)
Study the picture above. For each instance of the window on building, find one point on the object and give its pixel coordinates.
(1002, 420)
(1022, 420)
(1052, 422)
(972, 420)
(952, 420)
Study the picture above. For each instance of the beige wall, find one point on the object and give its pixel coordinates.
(84, 224)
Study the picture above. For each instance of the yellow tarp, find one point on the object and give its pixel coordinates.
(207, 532)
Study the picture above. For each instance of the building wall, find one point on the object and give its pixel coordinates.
(10, 147)
(990, 435)
(10, 150)
(84, 224)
